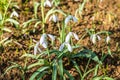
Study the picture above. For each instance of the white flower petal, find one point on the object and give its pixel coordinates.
(55, 18)
(14, 13)
(35, 48)
(69, 35)
(67, 19)
(61, 47)
(43, 38)
(51, 17)
(74, 19)
(51, 37)
(108, 39)
(47, 3)
(39, 50)
(44, 44)
(98, 37)
(69, 47)
(93, 38)
(76, 36)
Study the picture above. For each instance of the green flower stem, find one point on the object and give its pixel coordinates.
(43, 18)
(2, 22)
(6, 11)
(86, 68)
(48, 52)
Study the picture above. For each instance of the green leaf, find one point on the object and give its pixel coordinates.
(39, 63)
(88, 54)
(36, 5)
(109, 51)
(96, 70)
(108, 78)
(38, 72)
(16, 23)
(29, 55)
(69, 75)
(6, 29)
(102, 78)
(2, 41)
(36, 24)
(25, 24)
(7, 42)
(60, 64)
(41, 75)
(54, 72)
(52, 11)
(11, 67)
(77, 68)
(0, 16)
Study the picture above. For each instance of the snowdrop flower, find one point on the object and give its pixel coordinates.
(69, 47)
(36, 48)
(14, 13)
(94, 37)
(69, 35)
(54, 18)
(47, 3)
(108, 39)
(51, 37)
(70, 17)
(43, 40)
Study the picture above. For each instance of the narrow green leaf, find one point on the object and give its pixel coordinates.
(52, 11)
(11, 67)
(96, 70)
(29, 55)
(69, 75)
(54, 72)
(6, 29)
(77, 68)
(88, 54)
(25, 24)
(0, 16)
(60, 64)
(16, 23)
(108, 78)
(102, 78)
(41, 75)
(36, 24)
(38, 72)
(36, 5)
(41, 62)
(2, 41)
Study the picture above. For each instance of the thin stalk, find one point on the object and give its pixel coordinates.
(6, 11)
(4, 16)
(48, 52)
(43, 18)
(86, 68)
(23, 75)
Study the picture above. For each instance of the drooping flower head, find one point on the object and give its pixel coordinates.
(108, 39)
(14, 13)
(54, 18)
(70, 17)
(94, 37)
(47, 3)
(69, 35)
(69, 47)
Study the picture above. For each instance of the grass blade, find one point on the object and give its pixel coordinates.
(38, 72)
(68, 74)
(54, 73)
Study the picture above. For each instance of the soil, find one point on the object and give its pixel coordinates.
(104, 15)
